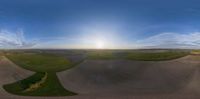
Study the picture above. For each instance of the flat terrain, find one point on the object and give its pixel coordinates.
(153, 55)
(9, 72)
(45, 84)
(40, 62)
(125, 77)
(39, 84)
(115, 78)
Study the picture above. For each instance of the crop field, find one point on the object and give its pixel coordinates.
(160, 56)
(77, 72)
(41, 64)
(137, 55)
(36, 85)
(101, 55)
(195, 52)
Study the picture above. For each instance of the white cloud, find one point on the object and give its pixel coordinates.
(163, 40)
(172, 40)
(13, 40)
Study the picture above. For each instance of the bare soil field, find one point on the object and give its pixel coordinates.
(124, 78)
(119, 79)
(9, 72)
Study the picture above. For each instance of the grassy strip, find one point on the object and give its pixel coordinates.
(101, 55)
(36, 85)
(195, 52)
(20, 86)
(40, 62)
(45, 81)
(159, 56)
(50, 87)
(135, 55)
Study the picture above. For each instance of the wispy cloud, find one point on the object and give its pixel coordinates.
(172, 40)
(162, 40)
(16, 39)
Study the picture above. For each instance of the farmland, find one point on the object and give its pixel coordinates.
(77, 72)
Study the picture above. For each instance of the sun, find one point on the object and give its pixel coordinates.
(100, 44)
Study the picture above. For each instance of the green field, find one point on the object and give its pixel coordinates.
(195, 52)
(40, 62)
(101, 55)
(137, 55)
(49, 87)
(157, 56)
(45, 81)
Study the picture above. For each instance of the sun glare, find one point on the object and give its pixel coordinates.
(100, 45)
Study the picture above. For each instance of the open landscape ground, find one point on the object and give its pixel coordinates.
(44, 82)
(107, 78)
(130, 77)
(141, 55)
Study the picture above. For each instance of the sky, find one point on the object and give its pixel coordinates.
(101, 24)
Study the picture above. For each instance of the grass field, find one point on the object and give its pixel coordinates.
(195, 52)
(50, 87)
(158, 56)
(101, 55)
(136, 55)
(40, 62)
(45, 81)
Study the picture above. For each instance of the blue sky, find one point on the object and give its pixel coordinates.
(99, 24)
